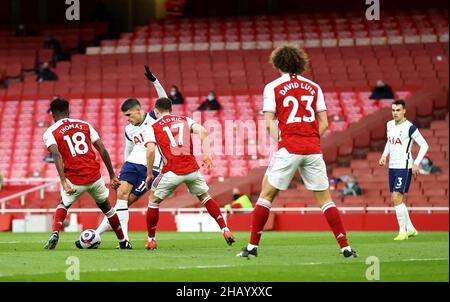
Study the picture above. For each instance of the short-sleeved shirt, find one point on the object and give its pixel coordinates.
(74, 139)
(296, 101)
(400, 139)
(172, 134)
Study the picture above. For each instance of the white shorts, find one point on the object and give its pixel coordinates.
(165, 184)
(98, 191)
(312, 168)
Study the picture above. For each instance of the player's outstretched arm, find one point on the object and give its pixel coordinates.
(151, 146)
(322, 119)
(107, 160)
(204, 137)
(60, 168)
(271, 127)
(151, 77)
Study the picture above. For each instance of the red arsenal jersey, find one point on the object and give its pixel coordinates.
(74, 139)
(172, 134)
(296, 101)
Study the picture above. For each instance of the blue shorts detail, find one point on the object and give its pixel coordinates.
(399, 180)
(135, 174)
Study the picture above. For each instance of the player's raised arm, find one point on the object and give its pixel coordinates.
(98, 144)
(60, 168)
(204, 137)
(151, 77)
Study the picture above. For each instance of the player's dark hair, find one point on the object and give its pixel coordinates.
(289, 59)
(400, 102)
(164, 105)
(59, 105)
(129, 104)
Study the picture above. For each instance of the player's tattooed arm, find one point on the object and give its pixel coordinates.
(271, 126)
(151, 146)
(204, 137)
(60, 168)
(107, 160)
(322, 120)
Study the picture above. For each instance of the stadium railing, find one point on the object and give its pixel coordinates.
(22, 195)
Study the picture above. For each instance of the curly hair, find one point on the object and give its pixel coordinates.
(289, 59)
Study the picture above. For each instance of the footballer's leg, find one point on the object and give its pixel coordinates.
(401, 213)
(197, 186)
(61, 212)
(401, 180)
(214, 211)
(100, 194)
(333, 218)
(60, 215)
(260, 215)
(114, 221)
(152, 221)
(161, 187)
(123, 199)
(314, 175)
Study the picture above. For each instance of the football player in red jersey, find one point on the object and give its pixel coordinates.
(70, 142)
(172, 135)
(299, 106)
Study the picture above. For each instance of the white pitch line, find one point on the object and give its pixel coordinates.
(116, 269)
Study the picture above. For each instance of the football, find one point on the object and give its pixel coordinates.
(89, 239)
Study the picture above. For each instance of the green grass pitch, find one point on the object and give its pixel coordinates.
(283, 256)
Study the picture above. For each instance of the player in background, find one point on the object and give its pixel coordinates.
(70, 142)
(171, 134)
(401, 134)
(299, 106)
(134, 170)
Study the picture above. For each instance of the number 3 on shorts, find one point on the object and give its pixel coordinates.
(399, 182)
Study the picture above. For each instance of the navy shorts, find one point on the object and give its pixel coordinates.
(399, 180)
(135, 174)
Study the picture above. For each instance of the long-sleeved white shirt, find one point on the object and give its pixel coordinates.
(399, 144)
(135, 150)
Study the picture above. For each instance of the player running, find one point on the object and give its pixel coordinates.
(134, 171)
(299, 106)
(171, 134)
(401, 134)
(70, 142)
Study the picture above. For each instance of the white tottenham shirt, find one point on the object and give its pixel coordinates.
(135, 150)
(399, 144)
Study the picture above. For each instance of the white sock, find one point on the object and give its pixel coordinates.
(123, 214)
(409, 226)
(348, 248)
(225, 229)
(402, 213)
(151, 238)
(104, 226)
(251, 247)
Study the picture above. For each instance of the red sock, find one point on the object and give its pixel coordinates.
(60, 215)
(214, 210)
(152, 219)
(115, 223)
(334, 221)
(259, 218)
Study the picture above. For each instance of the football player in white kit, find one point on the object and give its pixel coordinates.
(401, 134)
(134, 171)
